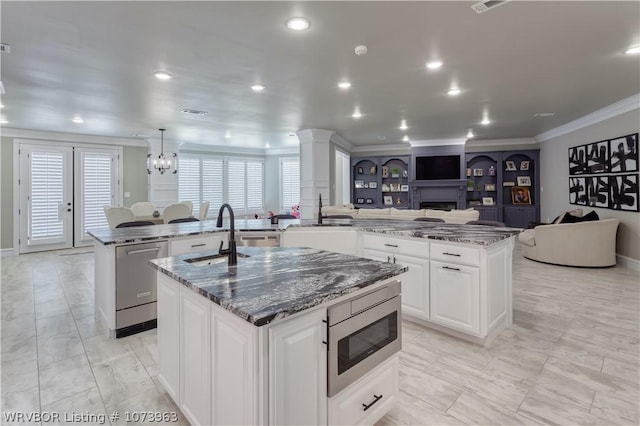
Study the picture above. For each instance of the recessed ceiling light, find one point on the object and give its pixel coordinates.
(266, 145)
(344, 85)
(632, 50)
(1, 106)
(3, 121)
(258, 87)
(227, 134)
(298, 24)
(485, 121)
(403, 125)
(357, 114)
(434, 65)
(77, 119)
(454, 92)
(405, 138)
(470, 134)
(162, 75)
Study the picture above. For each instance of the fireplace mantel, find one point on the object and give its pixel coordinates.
(449, 190)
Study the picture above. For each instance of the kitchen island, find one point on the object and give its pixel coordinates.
(248, 343)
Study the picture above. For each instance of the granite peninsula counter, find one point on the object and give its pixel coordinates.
(275, 282)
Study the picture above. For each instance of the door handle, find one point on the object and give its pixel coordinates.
(377, 398)
(144, 250)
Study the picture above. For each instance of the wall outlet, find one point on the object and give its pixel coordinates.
(127, 194)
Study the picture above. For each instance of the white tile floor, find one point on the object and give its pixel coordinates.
(571, 358)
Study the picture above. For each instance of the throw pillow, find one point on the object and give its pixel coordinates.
(559, 219)
(591, 216)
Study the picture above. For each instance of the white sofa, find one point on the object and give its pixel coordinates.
(590, 244)
(452, 216)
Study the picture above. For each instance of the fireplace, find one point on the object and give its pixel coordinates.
(438, 205)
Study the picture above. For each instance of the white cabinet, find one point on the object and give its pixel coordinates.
(367, 400)
(455, 296)
(168, 335)
(298, 371)
(198, 243)
(195, 357)
(233, 369)
(415, 256)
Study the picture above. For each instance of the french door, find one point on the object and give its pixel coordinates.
(63, 191)
(46, 197)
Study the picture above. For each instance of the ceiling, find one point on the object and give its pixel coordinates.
(97, 59)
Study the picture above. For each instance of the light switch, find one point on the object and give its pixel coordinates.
(127, 194)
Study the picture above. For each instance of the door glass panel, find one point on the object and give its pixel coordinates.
(46, 199)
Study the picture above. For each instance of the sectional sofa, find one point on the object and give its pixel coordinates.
(452, 216)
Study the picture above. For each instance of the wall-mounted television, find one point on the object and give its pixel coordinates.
(437, 167)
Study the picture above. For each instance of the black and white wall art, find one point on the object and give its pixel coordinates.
(605, 174)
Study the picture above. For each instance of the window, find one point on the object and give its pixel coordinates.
(289, 182)
(237, 181)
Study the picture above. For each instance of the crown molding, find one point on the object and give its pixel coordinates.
(617, 108)
(341, 142)
(438, 142)
(70, 137)
(498, 142)
(369, 148)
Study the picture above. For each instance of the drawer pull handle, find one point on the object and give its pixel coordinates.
(377, 398)
(198, 245)
(143, 250)
(450, 268)
(450, 254)
(391, 245)
(145, 294)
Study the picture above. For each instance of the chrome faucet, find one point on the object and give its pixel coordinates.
(231, 251)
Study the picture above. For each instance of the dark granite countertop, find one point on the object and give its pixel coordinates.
(275, 282)
(468, 234)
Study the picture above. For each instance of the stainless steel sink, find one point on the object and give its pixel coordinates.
(211, 259)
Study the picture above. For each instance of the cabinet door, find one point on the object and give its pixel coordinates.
(519, 217)
(455, 296)
(298, 371)
(168, 335)
(233, 368)
(195, 357)
(415, 282)
(415, 286)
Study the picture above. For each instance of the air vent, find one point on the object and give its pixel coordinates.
(484, 6)
(194, 112)
(544, 114)
(5, 48)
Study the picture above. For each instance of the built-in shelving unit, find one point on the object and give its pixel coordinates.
(380, 182)
(511, 180)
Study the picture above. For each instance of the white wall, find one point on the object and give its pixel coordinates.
(554, 171)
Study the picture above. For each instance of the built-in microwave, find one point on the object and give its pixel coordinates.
(363, 332)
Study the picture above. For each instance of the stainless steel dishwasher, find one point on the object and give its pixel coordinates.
(258, 239)
(136, 294)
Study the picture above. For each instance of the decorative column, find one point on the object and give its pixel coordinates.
(163, 188)
(314, 170)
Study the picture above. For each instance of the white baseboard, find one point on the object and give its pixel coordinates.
(628, 262)
(6, 252)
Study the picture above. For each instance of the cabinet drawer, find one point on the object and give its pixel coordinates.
(378, 391)
(196, 244)
(456, 254)
(396, 245)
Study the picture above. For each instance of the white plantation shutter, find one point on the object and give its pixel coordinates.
(236, 187)
(97, 189)
(289, 182)
(255, 184)
(212, 183)
(46, 196)
(189, 182)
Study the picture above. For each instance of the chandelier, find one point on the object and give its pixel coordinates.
(162, 164)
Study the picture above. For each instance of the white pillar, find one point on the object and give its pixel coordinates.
(163, 188)
(314, 170)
